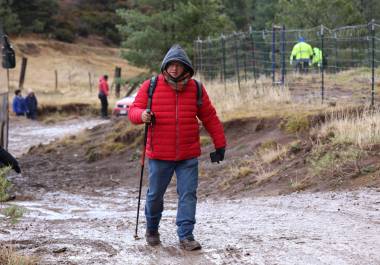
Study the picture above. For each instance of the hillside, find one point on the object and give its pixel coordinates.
(76, 64)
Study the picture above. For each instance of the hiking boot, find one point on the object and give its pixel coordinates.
(189, 244)
(152, 238)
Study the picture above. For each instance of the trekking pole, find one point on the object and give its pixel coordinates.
(141, 176)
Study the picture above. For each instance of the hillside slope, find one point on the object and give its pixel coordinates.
(75, 65)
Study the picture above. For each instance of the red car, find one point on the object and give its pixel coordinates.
(122, 105)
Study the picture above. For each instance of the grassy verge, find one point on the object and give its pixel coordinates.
(8, 256)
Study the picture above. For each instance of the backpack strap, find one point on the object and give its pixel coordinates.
(199, 93)
(152, 87)
(153, 84)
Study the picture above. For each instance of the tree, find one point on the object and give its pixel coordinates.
(8, 19)
(35, 15)
(306, 14)
(370, 9)
(263, 12)
(153, 26)
(238, 12)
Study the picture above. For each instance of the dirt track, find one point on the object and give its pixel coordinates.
(80, 213)
(321, 228)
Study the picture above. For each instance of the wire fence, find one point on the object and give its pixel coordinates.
(350, 57)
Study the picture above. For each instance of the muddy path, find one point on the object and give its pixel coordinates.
(25, 133)
(84, 213)
(321, 228)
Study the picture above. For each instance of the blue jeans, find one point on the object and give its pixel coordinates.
(160, 175)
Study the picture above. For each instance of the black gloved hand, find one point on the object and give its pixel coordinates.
(16, 168)
(218, 155)
(8, 160)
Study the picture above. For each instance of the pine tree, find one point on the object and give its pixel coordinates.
(154, 25)
(306, 14)
(9, 20)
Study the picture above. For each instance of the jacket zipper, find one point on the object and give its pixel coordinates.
(176, 125)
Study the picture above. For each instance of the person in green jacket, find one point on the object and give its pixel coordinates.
(302, 54)
(317, 57)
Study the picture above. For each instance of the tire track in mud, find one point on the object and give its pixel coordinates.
(321, 228)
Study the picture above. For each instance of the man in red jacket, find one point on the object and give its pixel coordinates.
(173, 142)
(103, 94)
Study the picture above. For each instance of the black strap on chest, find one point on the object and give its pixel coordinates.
(153, 84)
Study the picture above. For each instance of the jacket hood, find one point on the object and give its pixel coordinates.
(176, 53)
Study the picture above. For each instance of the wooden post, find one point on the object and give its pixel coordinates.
(22, 73)
(56, 79)
(237, 59)
(322, 65)
(8, 80)
(90, 81)
(70, 79)
(373, 35)
(117, 80)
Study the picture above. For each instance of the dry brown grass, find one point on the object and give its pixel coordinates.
(257, 99)
(8, 256)
(73, 63)
(270, 155)
(362, 129)
(300, 184)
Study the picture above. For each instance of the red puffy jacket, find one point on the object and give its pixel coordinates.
(103, 86)
(175, 134)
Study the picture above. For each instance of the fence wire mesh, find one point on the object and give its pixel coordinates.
(351, 55)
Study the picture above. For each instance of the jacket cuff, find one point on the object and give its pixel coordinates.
(136, 117)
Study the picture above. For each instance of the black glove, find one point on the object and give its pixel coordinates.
(8, 160)
(218, 155)
(16, 168)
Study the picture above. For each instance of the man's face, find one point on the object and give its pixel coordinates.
(175, 69)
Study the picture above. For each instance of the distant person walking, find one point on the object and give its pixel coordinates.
(31, 105)
(18, 104)
(302, 54)
(103, 94)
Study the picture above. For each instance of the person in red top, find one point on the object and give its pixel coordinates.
(103, 94)
(173, 143)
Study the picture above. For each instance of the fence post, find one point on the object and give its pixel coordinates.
(237, 59)
(245, 62)
(322, 66)
(8, 80)
(352, 64)
(22, 73)
(117, 81)
(373, 63)
(195, 57)
(283, 69)
(56, 80)
(336, 52)
(253, 53)
(273, 55)
(223, 61)
(200, 55)
(90, 81)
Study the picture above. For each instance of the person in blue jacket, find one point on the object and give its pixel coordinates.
(18, 104)
(31, 105)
